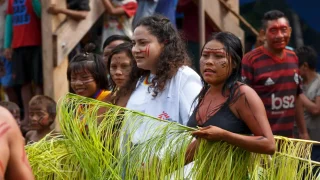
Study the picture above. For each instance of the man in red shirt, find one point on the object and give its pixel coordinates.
(273, 72)
(25, 41)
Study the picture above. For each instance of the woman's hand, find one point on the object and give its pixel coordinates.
(211, 133)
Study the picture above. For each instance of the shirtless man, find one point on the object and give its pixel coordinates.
(13, 160)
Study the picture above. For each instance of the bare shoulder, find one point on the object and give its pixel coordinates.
(7, 122)
(247, 95)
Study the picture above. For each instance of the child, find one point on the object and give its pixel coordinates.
(42, 115)
(87, 75)
(13, 108)
(120, 16)
(169, 88)
(124, 74)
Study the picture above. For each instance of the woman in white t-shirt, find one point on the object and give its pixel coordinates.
(170, 87)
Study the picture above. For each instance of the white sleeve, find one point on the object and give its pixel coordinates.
(188, 92)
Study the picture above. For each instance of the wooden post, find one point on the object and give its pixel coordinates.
(59, 36)
(47, 46)
(202, 29)
(220, 16)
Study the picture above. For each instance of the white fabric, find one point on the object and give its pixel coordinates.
(174, 103)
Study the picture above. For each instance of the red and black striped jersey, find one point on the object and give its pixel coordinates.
(277, 83)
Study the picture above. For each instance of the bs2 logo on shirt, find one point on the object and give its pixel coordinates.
(285, 102)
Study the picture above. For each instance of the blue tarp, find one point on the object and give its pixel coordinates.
(308, 10)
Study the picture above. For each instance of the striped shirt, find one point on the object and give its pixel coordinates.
(277, 82)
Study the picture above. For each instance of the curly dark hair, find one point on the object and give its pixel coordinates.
(135, 74)
(234, 50)
(91, 62)
(173, 55)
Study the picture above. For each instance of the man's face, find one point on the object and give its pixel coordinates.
(277, 34)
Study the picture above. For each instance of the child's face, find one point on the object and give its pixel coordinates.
(146, 49)
(39, 117)
(120, 69)
(83, 83)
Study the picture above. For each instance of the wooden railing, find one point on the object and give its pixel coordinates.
(224, 14)
(59, 36)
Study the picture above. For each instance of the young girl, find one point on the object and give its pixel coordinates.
(229, 110)
(86, 74)
(124, 74)
(169, 88)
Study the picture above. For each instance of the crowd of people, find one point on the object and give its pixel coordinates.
(145, 65)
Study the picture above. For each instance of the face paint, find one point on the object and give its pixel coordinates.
(83, 83)
(219, 56)
(38, 118)
(214, 63)
(278, 34)
(120, 69)
(4, 128)
(147, 50)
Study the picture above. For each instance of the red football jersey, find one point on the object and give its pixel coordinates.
(277, 83)
(26, 24)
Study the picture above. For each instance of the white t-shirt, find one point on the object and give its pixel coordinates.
(174, 103)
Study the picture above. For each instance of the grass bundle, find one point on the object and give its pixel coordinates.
(103, 141)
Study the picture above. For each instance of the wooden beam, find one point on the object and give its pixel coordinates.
(236, 14)
(47, 53)
(201, 26)
(221, 18)
(70, 32)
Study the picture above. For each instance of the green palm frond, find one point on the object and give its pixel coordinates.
(132, 145)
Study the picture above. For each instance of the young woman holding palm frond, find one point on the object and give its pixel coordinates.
(229, 110)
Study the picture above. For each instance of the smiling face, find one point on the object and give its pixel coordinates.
(146, 49)
(83, 83)
(214, 64)
(39, 117)
(120, 69)
(277, 34)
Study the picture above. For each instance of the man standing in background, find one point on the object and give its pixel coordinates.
(273, 72)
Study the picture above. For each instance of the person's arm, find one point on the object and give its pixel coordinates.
(8, 36)
(311, 107)
(301, 124)
(251, 110)
(110, 9)
(73, 14)
(17, 166)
